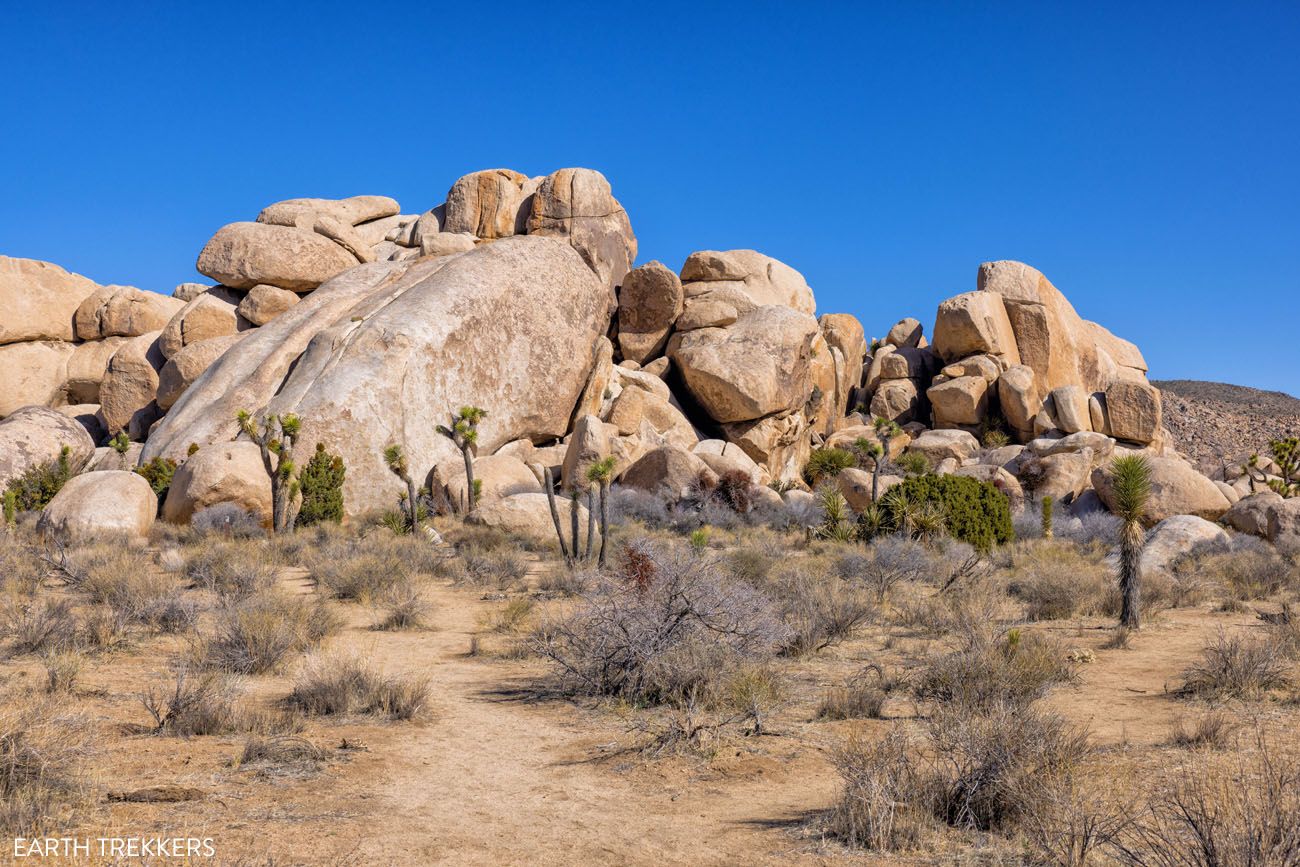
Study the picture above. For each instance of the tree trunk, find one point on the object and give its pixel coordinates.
(469, 478)
(604, 519)
(1131, 541)
(591, 521)
(549, 481)
(412, 504)
(573, 524)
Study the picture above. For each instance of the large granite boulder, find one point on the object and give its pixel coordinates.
(39, 300)
(229, 472)
(526, 516)
(212, 314)
(497, 476)
(130, 386)
(35, 435)
(87, 366)
(578, 206)
(648, 304)
(33, 374)
(124, 311)
(243, 255)
(1176, 489)
(351, 211)
(974, 323)
(187, 365)
(1181, 534)
(1250, 514)
(112, 503)
(490, 204)
(744, 279)
(669, 472)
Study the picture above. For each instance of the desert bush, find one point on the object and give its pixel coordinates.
(283, 752)
(126, 581)
(1057, 580)
(21, 571)
(62, 668)
(101, 629)
(1016, 668)
(974, 512)
(861, 697)
(663, 623)
(158, 472)
(335, 685)
(37, 625)
(1091, 529)
(1251, 570)
(826, 463)
(43, 750)
(819, 610)
(500, 568)
(884, 563)
(1233, 666)
(321, 483)
(404, 607)
(1235, 814)
(749, 564)
(228, 520)
(361, 577)
(194, 703)
(230, 569)
(255, 634)
(878, 808)
(1211, 730)
(34, 488)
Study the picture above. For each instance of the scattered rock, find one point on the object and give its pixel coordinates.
(95, 505)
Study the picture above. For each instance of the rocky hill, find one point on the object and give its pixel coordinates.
(1212, 422)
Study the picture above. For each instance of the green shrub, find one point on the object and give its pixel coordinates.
(975, 512)
(322, 488)
(158, 473)
(34, 489)
(826, 463)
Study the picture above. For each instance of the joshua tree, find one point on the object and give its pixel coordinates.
(276, 437)
(886, 429)
(397, 464)
(570, 555)
(1286, 454)
(599, 474)
(1047, 517)
(120, 443)
(1131, 488)
(464, 433)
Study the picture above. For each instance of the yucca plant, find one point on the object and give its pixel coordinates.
(276, 436)
(571, 549)
(395, 458)
(463, 431)
(600, 474)
(1130, 491)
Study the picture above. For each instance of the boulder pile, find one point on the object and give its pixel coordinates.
(522, 295)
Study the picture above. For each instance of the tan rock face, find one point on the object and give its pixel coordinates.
(86, 368)
(669, 472)
(975, 323)
(304, 212)
(745, 278)
(1250, 513)
(1133, 411)
(844, 332)
(588, 444)
(124, 311)
(906, 332)
(723, 457)
(938, 445)
(648, 304)
(527, 516)
(898, 400)
(186, 366)
(263, 303)
(1176, 489)
(130, 385)
(960, 401)
(489, 204)
(578, 205)
(211, 314)
(39, 300)
(703, 313)
(33, 374)
(1178, 535)
(1020, 400)
(777, 443)
(635, 406)
(1071, 405)
(220, 473)
(113, 503)
(446, 243)
(758, 366)
(243, 255)
(34, 436)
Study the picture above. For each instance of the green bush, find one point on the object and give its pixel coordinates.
(974, 512)
(34, 489)
(322, 488)
(158, 473)
(826, 463)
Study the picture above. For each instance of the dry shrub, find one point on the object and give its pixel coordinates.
(863, 697)
(750, 564)
(194, 703)
(990, 672)
(21, 570)
(361, 578)
(500, 569)
(345, 684)
(513, 616)
(62, 668)
(404, 607)
(38, 625)
(254, 635)
(1058, 580)
(283, 754)
(884, 563)
(820, 610)
(1252, 570)
(1237, 814)
(665, 623)
(127, 581)
(879, 808)
(1212, 730)
(43, 749)
(1233, 666)
(232, 570)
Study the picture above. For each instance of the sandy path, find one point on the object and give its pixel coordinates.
(496, 780)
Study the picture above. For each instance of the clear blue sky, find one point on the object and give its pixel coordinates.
(1145, 156)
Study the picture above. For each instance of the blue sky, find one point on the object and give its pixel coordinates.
(1144, 156)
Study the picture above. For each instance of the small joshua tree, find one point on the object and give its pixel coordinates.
(276, 437)
(397, 464)
(1131, 489)
(1047, 517)
(120, 443)
(599, 474)
(463, 431)
(886, 429)
(1286, 454)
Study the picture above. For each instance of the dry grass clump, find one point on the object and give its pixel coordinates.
(198, 702)
(338, 685)
(820, 610)
(62, 668)
(231, 569)
(43, 749)
(990, 671)
(21, 571)
(862, 697)
(664, 624)
(255, 634)
(500, 569)
(1058, 580)
(127, 581)
(1212, 730)
(283, 754)
(1233, 666)
(38, 625)
(363, 577)
(886, 562)
(1252, 570)
(404, 607)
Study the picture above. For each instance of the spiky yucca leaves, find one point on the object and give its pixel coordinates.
(1131, 489)
(826, 463)
(600, 474)
(886, 429)
(398, 466)
(1286, 453)
(463, 431)
(276, 437)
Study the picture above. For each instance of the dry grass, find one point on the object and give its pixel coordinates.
(231, 569)
(404, 607)
(43, 752)
(989, 672)
(1233, 666)
(256, 634)
(1058, 580)
(336, 685)
(1211, 730)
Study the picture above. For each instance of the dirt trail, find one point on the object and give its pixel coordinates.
(494, 779)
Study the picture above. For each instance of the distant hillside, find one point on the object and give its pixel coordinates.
(1212, 421)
